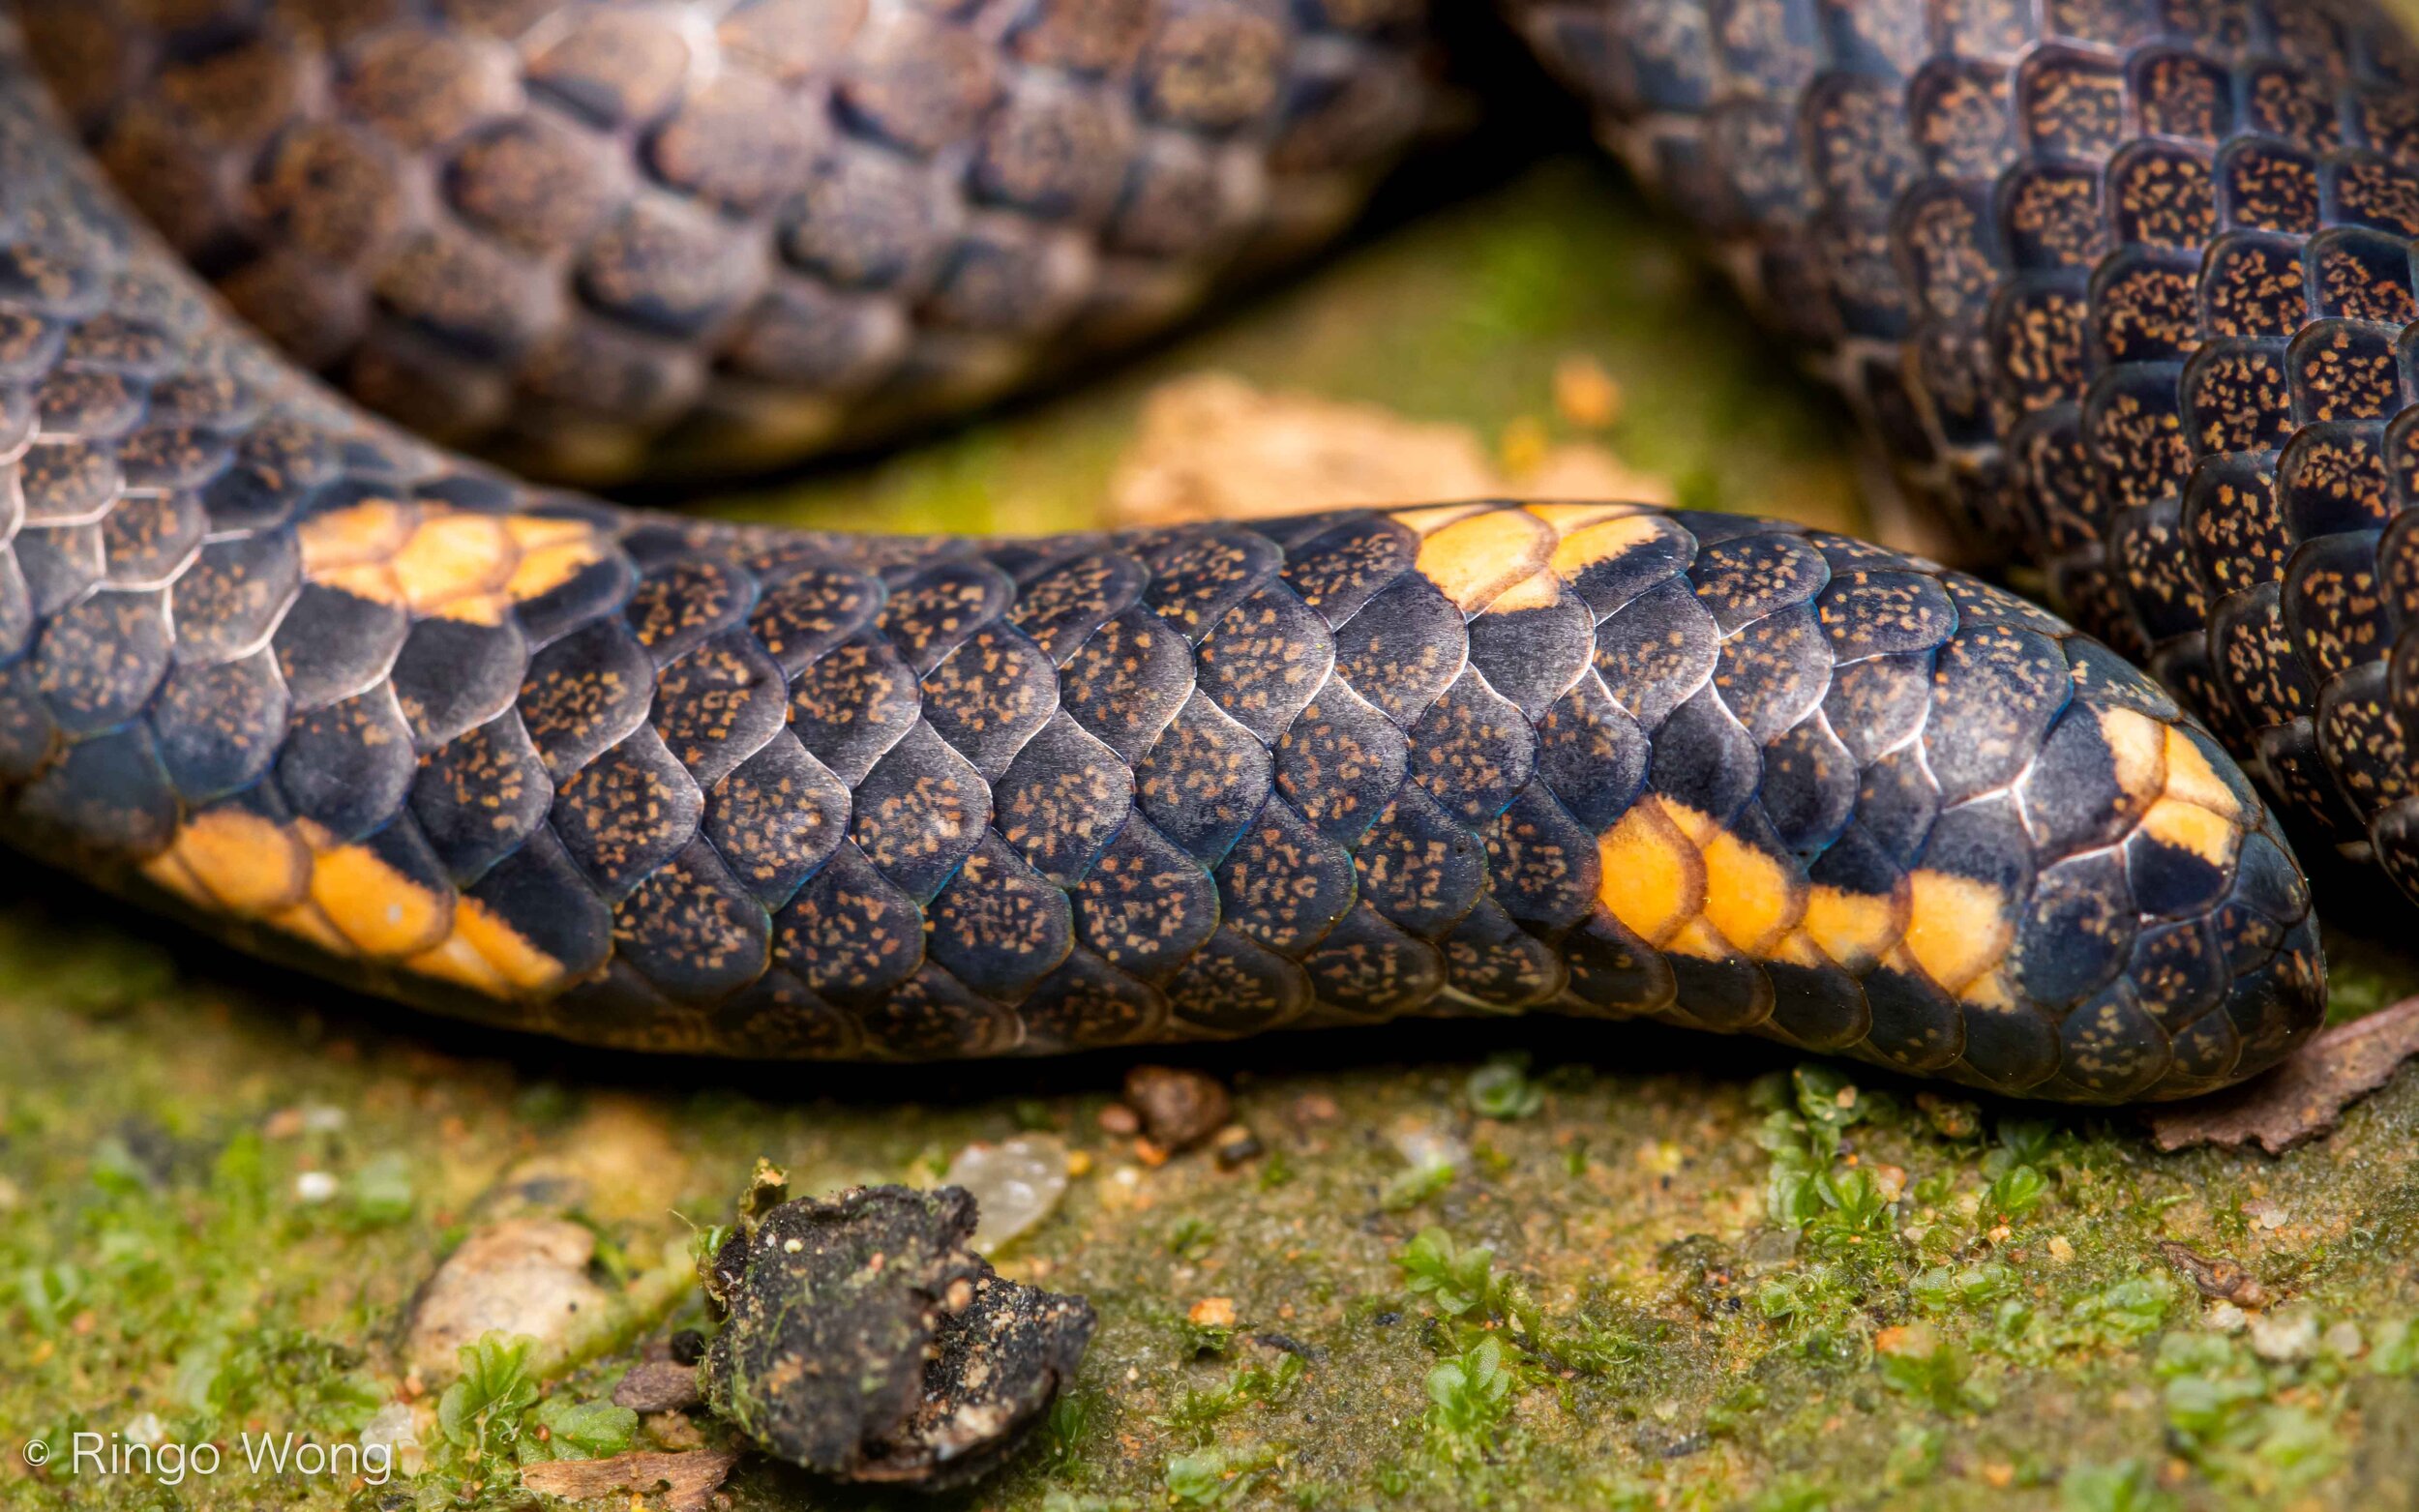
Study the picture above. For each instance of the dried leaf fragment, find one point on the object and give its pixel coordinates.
(2303, 1098)
(2221, 1279)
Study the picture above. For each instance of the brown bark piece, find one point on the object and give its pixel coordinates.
(688, 1480)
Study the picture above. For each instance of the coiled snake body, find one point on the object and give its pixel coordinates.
(2120, 280)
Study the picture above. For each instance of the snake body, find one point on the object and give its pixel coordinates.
(591, 238)
(2124, 285)
(276, 667)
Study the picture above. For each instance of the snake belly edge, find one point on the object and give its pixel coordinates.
(677, 784)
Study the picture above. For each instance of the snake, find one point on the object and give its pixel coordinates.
(2120, 285)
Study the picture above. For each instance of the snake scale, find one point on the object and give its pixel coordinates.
(2122, 284)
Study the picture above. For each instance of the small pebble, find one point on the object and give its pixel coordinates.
(522, 1275)
(395, 1429)
(2285, 1338)
(2343, 1341)
(314, 1186)
(1584, 392)
(1016, 1184)
(1236, 1144)
(1658, 1157)
(657, 1387)
(1769, 1250)
(1423, 1149)
(1212, 1312)
(1314, 1107)
(2060, 1249)
(1120, 1120)
(145, 1428)
(389, 1425)
(1179, 1108)
(2225, 1318)
(674, 1430)
(1949, 1118)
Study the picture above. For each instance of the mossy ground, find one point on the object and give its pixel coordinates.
(1711, 1276)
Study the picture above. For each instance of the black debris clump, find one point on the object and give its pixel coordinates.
(864, 1338)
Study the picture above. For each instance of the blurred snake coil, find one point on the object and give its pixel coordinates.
(2122, 284)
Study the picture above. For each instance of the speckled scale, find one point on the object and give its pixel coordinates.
(1144, 905)
(346, 767)
(1405, 647)
(1417, 867)
(1533, 656)
(919, 813)
(851, 705)
(481, 795)
(849, 933)
(999, 926)
(214, 725)
(1204, 779)
(1341, 762)
(1655, 652)
(1265, 659)
(626, 813)
(1284, 883)
(1232, 985)
(1127, 681)
(1591, 753)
